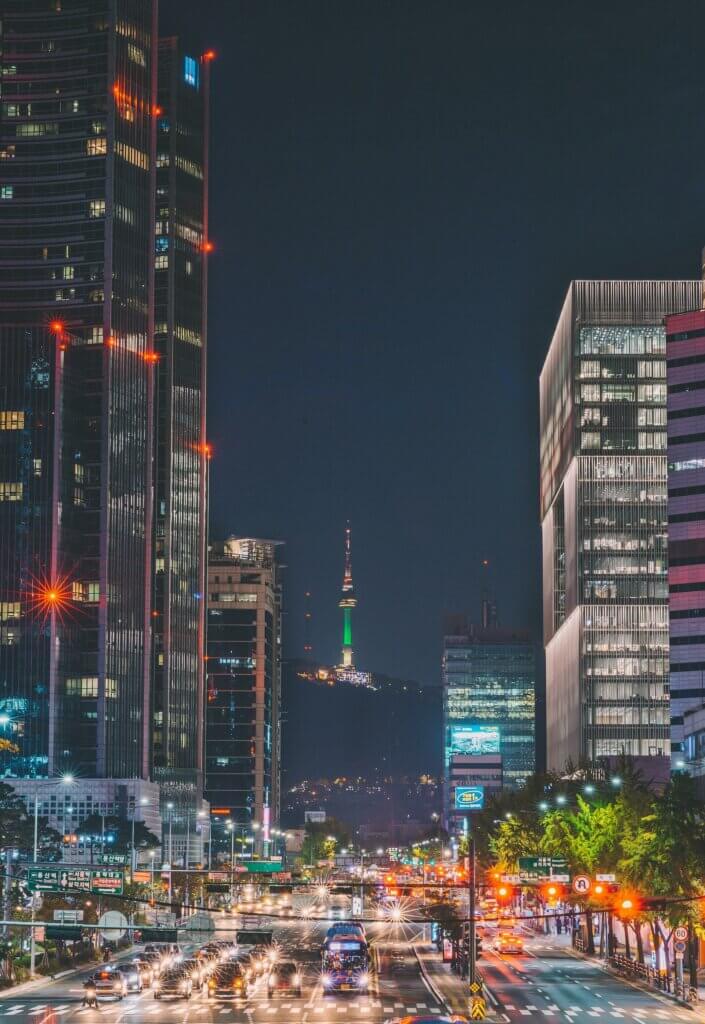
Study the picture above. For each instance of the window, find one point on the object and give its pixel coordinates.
(589, 440)
(136, 55)
(590, 392)
(617, 393)
(32, 129)
(96, 147)
(7, 192)
(10, 492)
(9, 610)
(161, 262)
(652, 393)
(96, 208)
(11, 420)
(191, 72)
(162, 159)
(37, 467)
(92, 592)
(161, 243)
(589, 368)
(68, 273)
(133, 155)
(97, 127)
(83, 686)
(679, 467)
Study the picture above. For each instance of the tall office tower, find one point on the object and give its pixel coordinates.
(243, 754)
(489, 709)
(181, 452)
(685, 359)
(77, 135)
(604, 521)
(347, 602)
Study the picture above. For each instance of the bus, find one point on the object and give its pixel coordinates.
(345, 962)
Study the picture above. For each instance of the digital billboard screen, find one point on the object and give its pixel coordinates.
(474, 739)
(469, 798)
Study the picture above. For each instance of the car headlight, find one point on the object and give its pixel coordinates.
(364, 981)
(297, 979)
(272, 979)
(327, 980)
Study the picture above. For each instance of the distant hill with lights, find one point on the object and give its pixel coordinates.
(375, 727)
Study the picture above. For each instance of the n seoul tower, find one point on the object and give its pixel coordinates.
(347, 602)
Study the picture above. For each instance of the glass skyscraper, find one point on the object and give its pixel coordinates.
(181, 453)
(77, 137)
(243, 694)
(489, 707)
(604, 520)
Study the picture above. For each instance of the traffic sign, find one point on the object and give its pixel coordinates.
(477, 1008)
(159, 935)
(680, 933)
(95, 880)
(64, 933)
(582, 884)
(679, 946)
(113, 925)
(68, 916)
(475, 987)
(605, 878)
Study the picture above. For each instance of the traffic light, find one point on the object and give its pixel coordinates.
(551, 893)
(628, 904)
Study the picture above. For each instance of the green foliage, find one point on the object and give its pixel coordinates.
(17, 827)
(317, 846)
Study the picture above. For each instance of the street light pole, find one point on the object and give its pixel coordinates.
(471, 911)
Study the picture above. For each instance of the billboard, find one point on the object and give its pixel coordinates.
(469, 798)
(474, 739)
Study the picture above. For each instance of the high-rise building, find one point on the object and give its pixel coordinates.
(347, 602)
(685, 359)
(489, 709)
(604, 520)
(243, 688)
(181, 451)
(77, 142)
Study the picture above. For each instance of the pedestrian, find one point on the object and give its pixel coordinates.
(559, 924)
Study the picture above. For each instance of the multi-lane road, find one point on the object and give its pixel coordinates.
(398, 988)
(547, 983)
(550, 983)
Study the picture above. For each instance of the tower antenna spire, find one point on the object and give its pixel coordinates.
(348, 601)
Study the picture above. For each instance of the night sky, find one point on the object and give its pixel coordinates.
(400, 194)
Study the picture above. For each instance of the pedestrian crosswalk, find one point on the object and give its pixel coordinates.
(603, 1013)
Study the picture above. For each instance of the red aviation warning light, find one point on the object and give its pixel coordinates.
(56, 327)
(208, 55)
(49, 597)
(207, 246)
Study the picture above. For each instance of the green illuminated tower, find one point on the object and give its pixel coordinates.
(347, 602)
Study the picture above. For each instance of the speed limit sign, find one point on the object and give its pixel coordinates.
(680, 933)
(582, 884)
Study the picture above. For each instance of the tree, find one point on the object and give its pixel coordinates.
(317, 846)
(120, 829)
(664, 855)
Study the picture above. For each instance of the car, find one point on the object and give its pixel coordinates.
(145, 968)
(110, 982)
(508, 942)
(228, 981)
(174, 982)
(132, 975)
(284, 976)
(260, 960)
(155, 961)
(197, 970)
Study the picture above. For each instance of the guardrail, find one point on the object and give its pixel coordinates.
(657, 979)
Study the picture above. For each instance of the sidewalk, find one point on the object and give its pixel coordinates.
(451, 990)
(41, 980)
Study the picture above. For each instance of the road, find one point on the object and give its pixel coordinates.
(397, 989)
(552, 984)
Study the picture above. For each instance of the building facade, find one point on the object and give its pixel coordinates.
(489, 708)
(604, 520)
(243, 688)
(181, 452)
(77, 142)
(685, 358)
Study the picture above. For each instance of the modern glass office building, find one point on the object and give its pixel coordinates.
(181, 453)
(77, 138)
(489, 708)
(243, 688)
(604, 520)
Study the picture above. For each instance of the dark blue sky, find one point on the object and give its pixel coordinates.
(401, 192)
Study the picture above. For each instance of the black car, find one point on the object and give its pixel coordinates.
(197, 970)
(228, 981)
(174, 982)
